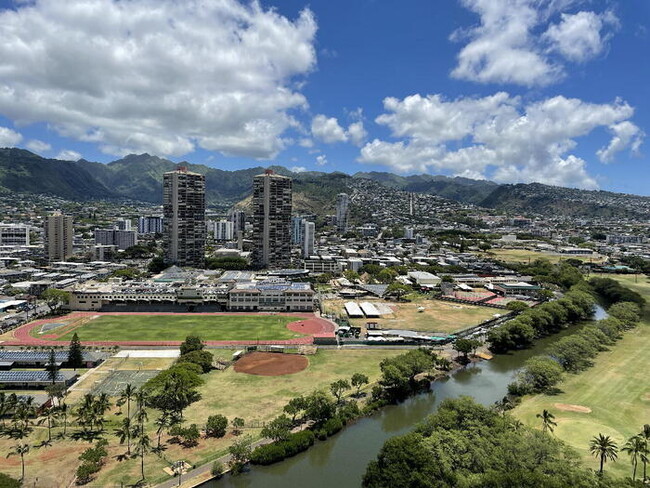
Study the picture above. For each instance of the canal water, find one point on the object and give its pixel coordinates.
(341, 461)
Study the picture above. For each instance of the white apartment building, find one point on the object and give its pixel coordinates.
(14, 235)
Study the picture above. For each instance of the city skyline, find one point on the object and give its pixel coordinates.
(512, 91)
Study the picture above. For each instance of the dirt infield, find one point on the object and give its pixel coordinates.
(572, 408)
(306, 323)
(271, 364)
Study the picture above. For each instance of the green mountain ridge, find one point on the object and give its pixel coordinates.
(139, 177)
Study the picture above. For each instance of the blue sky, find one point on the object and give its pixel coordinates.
(511, 90)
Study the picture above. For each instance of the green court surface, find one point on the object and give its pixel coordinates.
(177, 327)
(115, 381)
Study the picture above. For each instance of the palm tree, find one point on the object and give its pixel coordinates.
(142, 446)
(49, 416)
(635, 448)
(124, 433)
(548, 420)
(4, 407)
(63, 409)
(645, 434)
(603, 447)
(20, 450)
(127, 395)
(162, 423)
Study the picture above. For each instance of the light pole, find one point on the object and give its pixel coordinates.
(178, 469)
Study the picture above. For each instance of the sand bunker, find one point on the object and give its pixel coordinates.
(572, 408)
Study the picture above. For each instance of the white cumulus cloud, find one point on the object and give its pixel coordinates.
(37, 146)
(357, 133)
(626, 135)
(8, 137)
(298, 169)
(497, 137)
(68, 155)
(321, 160)
(580, 37)
(507, 46)
(327, 129)
(157, 75)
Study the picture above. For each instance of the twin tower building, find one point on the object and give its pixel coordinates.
(184, 229)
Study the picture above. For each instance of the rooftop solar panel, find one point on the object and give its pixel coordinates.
(27, 376)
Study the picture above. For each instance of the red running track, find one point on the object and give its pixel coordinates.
(307, 323)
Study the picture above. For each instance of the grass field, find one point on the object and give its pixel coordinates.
(616, 390)
(177, 327)
(526, 256)
(438, 316)
(254, 398)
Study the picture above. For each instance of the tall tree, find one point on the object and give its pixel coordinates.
(49, 417)
(63, 409)
(127, 394)
(52, 368)
(124, 433)
(645, 434)
(20, 450)
(357, 381)
(548, 421)
(163, 422)
(142, 446)
(635, 448)
(603, 447)
(55, 298)
(192, 343)
(4, 407)
(75, 354)
(338, 388)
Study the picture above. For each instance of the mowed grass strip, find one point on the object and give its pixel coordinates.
(526, 256)
(437, 316)
(616, 390)
(178, 327)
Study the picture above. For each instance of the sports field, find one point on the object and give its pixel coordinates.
(612, 398)
(527, 256)
(177, 327)
(421, 314)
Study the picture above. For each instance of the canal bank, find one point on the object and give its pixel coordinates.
(341, 460)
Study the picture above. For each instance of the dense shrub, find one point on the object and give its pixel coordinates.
(201, 358)
(611, 291)
(217, 469)
(277, 451)
(7, 481)
(331, 427)
(542, 320)
(216, 426)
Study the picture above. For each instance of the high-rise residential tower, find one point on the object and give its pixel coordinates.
(309, 236)
(184, 229)
(342, 210)
(238, 219)
(59, 234)
(272, 201)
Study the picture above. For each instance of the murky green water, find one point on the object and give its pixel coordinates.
(341, 461)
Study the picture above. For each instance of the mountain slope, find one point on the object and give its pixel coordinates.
(139, 177)
(460, 189)
(23, 171)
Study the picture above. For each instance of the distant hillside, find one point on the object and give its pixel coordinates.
(459, 189)
(139, 177)
(570, 202)
(23, 171)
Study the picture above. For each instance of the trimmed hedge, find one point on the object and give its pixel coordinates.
(277, 451)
